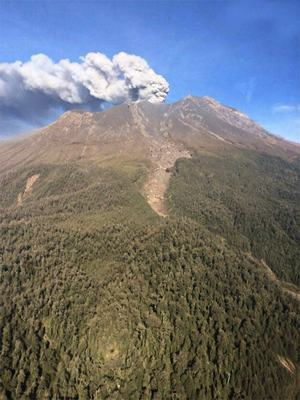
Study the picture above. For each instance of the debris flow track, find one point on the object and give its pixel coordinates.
(163, 156)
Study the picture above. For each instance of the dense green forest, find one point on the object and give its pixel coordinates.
(103, 299)
(251, 199)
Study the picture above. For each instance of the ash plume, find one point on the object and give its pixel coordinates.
(31, 91)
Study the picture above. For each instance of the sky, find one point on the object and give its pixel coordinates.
(245, 54)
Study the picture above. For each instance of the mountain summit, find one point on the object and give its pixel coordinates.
(159, 133)
(127, 130)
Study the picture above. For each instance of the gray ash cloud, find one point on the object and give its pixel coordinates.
(31, 91)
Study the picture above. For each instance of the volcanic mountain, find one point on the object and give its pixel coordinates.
(150, 251)
(158, 133)
(128, 131)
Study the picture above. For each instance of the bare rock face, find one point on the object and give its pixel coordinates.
(212, 125)
(156, 133)
(128, 131)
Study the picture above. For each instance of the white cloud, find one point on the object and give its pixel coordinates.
(30, 90)
(285, 108)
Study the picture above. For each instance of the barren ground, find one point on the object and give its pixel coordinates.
(28, 188)
(163, 157)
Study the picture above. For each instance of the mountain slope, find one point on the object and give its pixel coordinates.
(252, 200)
(127, 130)
(105, 299)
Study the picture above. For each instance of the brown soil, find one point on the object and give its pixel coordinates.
(163, 157)
(28, 188)
(287, 364)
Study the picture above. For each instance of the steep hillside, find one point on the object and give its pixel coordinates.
(150, 252)
(252, 200)
(128, 130)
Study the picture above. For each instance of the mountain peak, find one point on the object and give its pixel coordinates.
(200, 101)
(197, 123)
(210, 100)
(206, 99)
(189, 98)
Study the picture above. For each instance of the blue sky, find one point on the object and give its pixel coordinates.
(246, 54)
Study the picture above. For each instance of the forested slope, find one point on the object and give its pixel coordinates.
(251, 199)
(103, 299)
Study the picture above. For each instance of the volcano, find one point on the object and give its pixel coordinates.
(150, 251)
